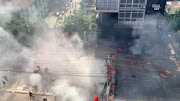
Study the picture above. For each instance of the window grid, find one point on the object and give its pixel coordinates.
(130, 15)
(132, 3)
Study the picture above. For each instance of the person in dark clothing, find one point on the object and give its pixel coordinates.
(39, 68)
(46, 70)
(44, 99)
(31, 96)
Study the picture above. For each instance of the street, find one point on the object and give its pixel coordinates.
(138, 76)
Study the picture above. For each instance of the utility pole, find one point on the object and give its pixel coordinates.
(25, 17)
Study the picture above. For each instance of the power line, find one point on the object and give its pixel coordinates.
(63, 73)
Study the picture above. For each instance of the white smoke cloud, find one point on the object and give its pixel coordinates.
(149, 37)
(67, 92)
(35, 79)
(78, 72)
(66, 57)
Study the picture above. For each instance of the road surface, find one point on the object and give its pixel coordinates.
(138, 76)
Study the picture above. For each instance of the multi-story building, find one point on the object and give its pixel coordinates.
(32, 10)
(128, 11)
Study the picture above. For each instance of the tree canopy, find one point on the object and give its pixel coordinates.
(80, 22)
(175, 18)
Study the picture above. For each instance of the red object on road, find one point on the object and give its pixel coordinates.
(66, 34)
(96, 99)
(110, 68)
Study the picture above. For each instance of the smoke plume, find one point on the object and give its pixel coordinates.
(148, 42)
(78, 75)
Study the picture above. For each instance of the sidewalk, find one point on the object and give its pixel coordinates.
(175, 59)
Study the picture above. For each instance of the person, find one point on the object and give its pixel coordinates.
(53, 79)
(46, 70)
(36, 70)
(39, 68)
(44, 99)
(31, 96)
(4, 81)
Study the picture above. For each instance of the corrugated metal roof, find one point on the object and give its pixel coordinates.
(25, 3)
(15, 5)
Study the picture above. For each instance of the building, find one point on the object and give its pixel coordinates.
(129, 12)
(172, 6)
(32, 10)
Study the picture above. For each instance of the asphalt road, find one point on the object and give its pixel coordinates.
(138, 76)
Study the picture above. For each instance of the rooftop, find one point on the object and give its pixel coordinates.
(15, 5)
(172, 6)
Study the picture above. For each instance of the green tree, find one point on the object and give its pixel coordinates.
(80, 23)
(175, 19)
(15, 26)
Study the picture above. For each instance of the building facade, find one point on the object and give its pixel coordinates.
(129, 11)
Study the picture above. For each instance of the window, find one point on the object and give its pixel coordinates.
(129, 1)
(121, 14)
(128, 5)
(135, 5)
(140, 15)
(136, 1)
(134, 15)
(121, 19)
(121, 11)
(122, 5)
(133, 19)
(128, 15)
(142, 1)
(123, 1)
